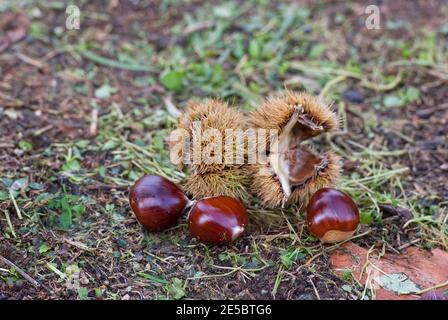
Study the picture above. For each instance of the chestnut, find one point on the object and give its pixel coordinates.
(332, 215)
(157, 202)
(217, 220)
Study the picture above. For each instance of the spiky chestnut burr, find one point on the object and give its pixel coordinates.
(293, 171)
(231, 182)
(216, 178)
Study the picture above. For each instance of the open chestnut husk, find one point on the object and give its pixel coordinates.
(293, 169)
(217, 220)
(332, 215)
(157, 202)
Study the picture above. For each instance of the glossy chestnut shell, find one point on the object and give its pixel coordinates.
(157, 202)
(217, 220)
(332, 215)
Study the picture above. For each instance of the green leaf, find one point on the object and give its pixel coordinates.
(398, 283)
(152, 278)
(366, 218)
(98, 292)
(290, 256)
(71, 165)
(7, 182)
(37, 30)
(3, 196)
(172, 80)
(223, 256)
(254, 48)
(109, 145)
(82, 144)
(113, 63)
(133, 176)
(317, 51)
(102, 171)
(78, 209)
(83, 294)
(347, 275)
(44, 248)
(237, 48)
(347, 288)
(36, 186)
(105, 91)
(412, 94)
(25, 145)
(392, 101)
(65, 218)
(218, 74)
(175, 289)
(19, 184)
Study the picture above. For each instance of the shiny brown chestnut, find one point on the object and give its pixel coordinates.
(217, 220)
(332, 215)
(157, 202)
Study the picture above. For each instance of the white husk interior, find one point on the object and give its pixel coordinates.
(278, 151)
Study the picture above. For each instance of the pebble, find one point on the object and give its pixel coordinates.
(353, 96)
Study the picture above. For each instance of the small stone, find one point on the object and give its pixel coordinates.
(353, 96)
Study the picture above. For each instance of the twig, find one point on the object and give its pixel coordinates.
(31, 61)
(171, 108)
(8, 220)
(94, 122)
(315, 290)
(278, 280)
(19, 214)
(78, 244)
(437, 286)
(197, 27)
(21, 272)
(213, 275)
(404, 246)
(42, 130)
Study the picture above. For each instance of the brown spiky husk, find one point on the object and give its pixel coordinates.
(277, 110)
(275, 113)
(214, 179)
(267, 186)
(213, 114)
(231, 182)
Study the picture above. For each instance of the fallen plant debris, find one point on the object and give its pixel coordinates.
(389, 210)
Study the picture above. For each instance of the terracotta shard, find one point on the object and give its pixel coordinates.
(424, 268)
